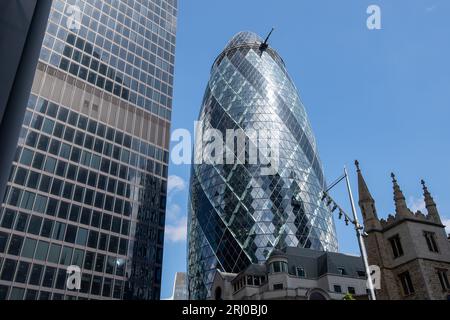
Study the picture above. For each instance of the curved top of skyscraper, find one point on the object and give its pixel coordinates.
(244, 37)
(240, 211)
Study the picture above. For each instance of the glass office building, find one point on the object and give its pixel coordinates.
(88, 182)
(237, 215)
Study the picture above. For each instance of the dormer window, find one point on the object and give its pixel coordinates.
(396, 245)
(341, 271)
(300, 271)
(430, 238)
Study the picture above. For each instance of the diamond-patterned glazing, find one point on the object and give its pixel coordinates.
(237, 215)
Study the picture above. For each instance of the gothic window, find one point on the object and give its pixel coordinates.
(396, 245)
(431, 241)
(407, 285)
(443, 279)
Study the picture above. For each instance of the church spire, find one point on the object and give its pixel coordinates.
(366, 203)
(400, 203)
(430, 204)
(363, 191)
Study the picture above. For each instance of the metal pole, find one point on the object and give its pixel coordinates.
(359, 235)
(335, 183)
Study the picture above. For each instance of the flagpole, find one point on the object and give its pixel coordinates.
(359, 234)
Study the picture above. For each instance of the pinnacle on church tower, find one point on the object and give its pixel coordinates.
(401, 208)
(430, 204)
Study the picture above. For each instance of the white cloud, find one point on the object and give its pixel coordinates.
(175, 183)
(446, 223)
(416, 204)
(177, 232)
(176, 220)
(173, 212)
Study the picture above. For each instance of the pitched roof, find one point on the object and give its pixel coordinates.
(317, 263)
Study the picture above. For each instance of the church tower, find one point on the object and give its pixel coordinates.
(411, 249)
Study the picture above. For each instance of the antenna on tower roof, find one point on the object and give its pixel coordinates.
(263, 47)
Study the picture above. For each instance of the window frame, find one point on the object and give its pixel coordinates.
(430, 238)
(278, 286)
(396, 246)
(337, 288)
(406, 283)
(443, 279)
(342, 271)
(301, 274)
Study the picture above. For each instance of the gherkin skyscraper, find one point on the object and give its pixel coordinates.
(237, 215)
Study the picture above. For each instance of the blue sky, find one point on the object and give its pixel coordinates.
(379, 96)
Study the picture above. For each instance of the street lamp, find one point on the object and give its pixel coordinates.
(358, 228)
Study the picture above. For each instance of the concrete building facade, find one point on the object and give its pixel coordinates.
(295, 274)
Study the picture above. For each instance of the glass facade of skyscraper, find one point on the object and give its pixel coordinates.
(88, 183)
(237, 215)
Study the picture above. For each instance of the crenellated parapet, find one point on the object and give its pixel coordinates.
(402, 212)
(418, 216)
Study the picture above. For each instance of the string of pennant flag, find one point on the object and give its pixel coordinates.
(333, 206)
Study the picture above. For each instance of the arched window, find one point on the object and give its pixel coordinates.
(317, 296)
(218, 293)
